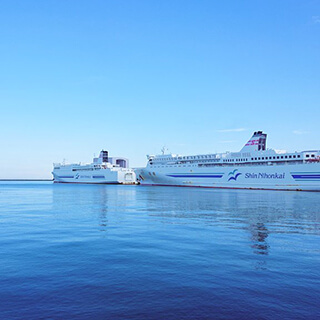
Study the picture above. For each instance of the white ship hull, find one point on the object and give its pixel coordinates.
(277, 177)
(253, 167)
(101, 176)
(103, 170)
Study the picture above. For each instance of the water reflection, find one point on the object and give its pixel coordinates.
(78, 201)
(259, 213)
(259, 235)
(103, 209)
(287, 212)
(114, 250)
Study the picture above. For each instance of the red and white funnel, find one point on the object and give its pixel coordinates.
(257, 142)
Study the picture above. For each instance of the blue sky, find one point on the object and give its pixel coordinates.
(132, 76)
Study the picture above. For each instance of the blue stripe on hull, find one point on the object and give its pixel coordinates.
(306, 176)
(314, 180)
(194, 176)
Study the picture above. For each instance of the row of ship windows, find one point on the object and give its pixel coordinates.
(235, 160)
(182, 158)
(253, 159)
(230, 160)
(175, 165)
(277, 157)
(267, 158)
(262, 158)
(86, 169)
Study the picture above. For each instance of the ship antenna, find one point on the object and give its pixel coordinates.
(164, 150)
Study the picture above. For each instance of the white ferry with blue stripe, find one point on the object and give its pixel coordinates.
(103, 170)
(253, 167)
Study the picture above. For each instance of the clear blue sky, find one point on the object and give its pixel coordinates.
(133, 76)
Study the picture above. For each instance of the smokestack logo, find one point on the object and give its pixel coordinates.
(234, 175)
(252, 143)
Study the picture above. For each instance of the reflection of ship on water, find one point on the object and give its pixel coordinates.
(259, 235)
(100, 202)
(103, 221)
(103, 210)
(259, 213)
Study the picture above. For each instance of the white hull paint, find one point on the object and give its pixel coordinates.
(100, 176)
(103, 170)
(277, 177)
(253, 167)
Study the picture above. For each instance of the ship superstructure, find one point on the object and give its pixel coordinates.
(253, 167)
(103, 170)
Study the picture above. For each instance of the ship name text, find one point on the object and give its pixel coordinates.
(264, 175)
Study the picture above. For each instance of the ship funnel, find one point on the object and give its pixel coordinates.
(257, 142)
(104, 156)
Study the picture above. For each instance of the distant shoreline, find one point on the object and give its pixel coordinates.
(26, 179)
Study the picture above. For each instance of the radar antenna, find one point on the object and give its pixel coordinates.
(164, 149)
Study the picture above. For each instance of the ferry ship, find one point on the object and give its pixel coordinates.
(103, 170)
(253, 167)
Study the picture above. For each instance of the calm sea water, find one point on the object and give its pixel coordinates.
(134, 252)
